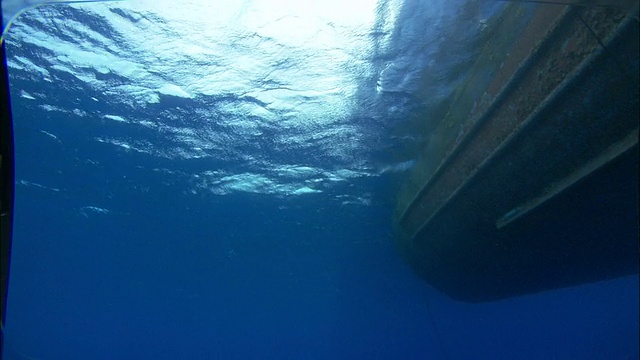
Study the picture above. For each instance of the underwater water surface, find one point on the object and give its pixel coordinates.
(198, 181)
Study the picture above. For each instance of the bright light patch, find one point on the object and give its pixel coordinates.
(270, 88)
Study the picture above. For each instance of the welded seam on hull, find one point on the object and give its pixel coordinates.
(611, 153)
(518, 76)
(564, 87)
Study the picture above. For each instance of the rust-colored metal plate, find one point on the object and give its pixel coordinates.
(554, 134)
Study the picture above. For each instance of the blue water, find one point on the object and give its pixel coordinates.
(163, 213)
(247, 280)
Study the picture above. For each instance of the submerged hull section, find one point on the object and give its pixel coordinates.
(530, 181)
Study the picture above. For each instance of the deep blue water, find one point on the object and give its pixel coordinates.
(165, 275)
(154, 225)
(258, 278)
